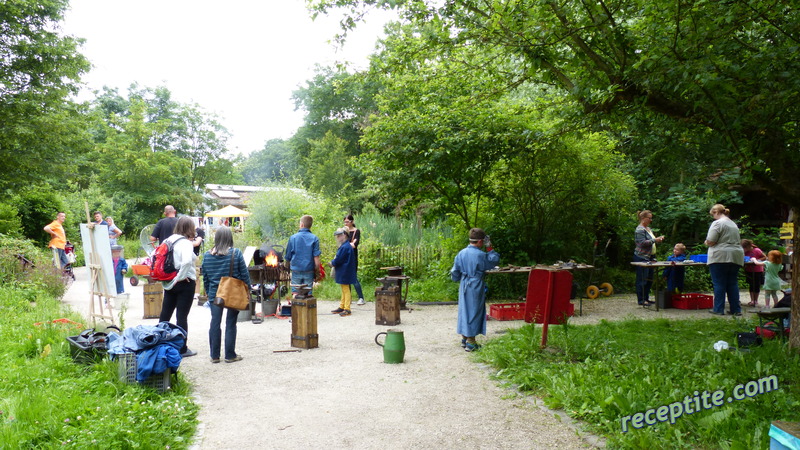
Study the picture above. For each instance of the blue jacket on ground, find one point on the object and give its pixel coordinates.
(345, 263)
(469, 268)
(301, 249)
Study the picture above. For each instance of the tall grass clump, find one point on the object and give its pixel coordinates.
(24, 264)
(49, 401)
(603, 373)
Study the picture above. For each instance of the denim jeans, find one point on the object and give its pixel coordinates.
(306, 278)
(357, 285)
(644, 280)
(725, 278)
(215, 333)
(180, 297)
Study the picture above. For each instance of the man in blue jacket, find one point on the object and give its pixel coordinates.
(302, 254)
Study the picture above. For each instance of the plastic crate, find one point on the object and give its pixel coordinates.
(693, 301)
(127, 373)
(507, 311)
(699, 258)
(82, 352)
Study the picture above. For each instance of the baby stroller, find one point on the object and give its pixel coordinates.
(69, 250)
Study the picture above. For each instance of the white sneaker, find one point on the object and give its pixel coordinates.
(361, 302)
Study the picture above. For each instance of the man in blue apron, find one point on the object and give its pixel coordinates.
(468, 268)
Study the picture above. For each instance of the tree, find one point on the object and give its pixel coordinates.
(41, 130)
(276, 162)
(336, 102)
(729, 67)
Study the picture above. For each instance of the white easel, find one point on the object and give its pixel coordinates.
(97, 278)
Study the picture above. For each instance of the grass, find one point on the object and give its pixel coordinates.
(48, 401)
(603, 373)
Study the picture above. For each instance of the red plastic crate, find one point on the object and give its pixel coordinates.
(693, 301)
(507, 311)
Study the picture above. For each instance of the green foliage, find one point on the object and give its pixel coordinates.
(275, 163)
(37, 208)
(46, 400)
(277, 212)
(40, 67)
(39, 276)
(601, 373)
(10, 221)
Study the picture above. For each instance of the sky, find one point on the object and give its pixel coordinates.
(239, 59)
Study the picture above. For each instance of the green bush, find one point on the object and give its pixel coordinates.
(38, 207)
(37, 273)
(10, 222)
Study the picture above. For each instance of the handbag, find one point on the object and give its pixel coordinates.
(235, 293)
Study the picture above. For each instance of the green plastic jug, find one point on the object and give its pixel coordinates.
(394, 346)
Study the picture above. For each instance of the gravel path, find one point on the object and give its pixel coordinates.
(342, 395)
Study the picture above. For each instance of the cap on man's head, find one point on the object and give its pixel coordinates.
(116, 248)
(339, 232)
(476, 234)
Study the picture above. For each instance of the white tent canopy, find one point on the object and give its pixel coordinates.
(229, 211)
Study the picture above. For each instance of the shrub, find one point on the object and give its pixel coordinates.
(10, 222)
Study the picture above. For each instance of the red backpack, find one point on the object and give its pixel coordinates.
(163, 266)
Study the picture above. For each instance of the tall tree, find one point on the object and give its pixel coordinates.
(41, 130)
(729, 67)
(276, 162)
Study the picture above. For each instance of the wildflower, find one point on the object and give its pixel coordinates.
(66, 420)
(79, 417)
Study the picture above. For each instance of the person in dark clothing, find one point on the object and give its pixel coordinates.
(165, 227)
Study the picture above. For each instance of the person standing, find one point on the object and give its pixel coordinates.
(120, 267)
(772, 279)
(645, 251)
(98, 218)
(217, 264)
(165, 226)
(345, 265)
(725, 256)
(753, 273)
(469, 268)
(58, 241)
(354, 234)
(113, 231)
(179, 292)
(302, 254)
(197, 243)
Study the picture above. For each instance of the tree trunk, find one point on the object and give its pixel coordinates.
(794, 337)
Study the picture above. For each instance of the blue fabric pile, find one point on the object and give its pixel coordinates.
(157, 348)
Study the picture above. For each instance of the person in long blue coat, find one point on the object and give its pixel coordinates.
(469, 268)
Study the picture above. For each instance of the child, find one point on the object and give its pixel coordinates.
(120, 267)
(345, 265)
(772, 282)
(753, 273)
(675, 274)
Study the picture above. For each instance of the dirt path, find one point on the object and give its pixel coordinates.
(342, 395)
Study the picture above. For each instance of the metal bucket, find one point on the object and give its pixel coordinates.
(269, 306)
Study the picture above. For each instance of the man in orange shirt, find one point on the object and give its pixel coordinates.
(59, 240)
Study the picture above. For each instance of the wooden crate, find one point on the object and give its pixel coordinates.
(304, 323)
(153, 297)
(387, 306)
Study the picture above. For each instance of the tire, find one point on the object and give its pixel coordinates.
(607, 289)
(134, 281)
(592, 292)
